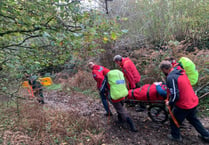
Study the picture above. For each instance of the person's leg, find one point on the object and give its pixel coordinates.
(122, 114)
(192, 118)
(105, 103)
(41, 96)
(120, 110)
(180, 115)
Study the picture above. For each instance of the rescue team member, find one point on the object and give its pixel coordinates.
(184, 101)
(36, 86)
(131, 74)
(148, 92)
(99, 73)
(118, 92)
(129, 70)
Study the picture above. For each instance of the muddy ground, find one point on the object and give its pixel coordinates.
(149, 132)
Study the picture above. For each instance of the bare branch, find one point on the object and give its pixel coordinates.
(201, 88)
(204, 95)
(20, 31)
(69, 27)
(19, 44)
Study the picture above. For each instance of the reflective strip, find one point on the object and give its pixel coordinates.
(120, 82)
(100, 69)
(103, 84)
(174, 91)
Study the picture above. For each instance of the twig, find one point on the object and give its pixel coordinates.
(201, 88)
(204, 95)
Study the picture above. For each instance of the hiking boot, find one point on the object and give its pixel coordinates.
(41, 102)
(131, 124)
(108, 114)
(204, 138)
(134, 130)
(174, 139)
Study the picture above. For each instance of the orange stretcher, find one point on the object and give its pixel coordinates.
(46, 81)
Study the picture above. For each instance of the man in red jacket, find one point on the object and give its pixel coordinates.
(99, 74)
(183, 100)
(129, 70)
(131, 74)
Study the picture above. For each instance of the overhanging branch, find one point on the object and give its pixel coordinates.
(19, 31)
(19, 44)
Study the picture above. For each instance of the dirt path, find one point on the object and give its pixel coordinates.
(149, 132)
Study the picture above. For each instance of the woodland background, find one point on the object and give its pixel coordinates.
(58, 38)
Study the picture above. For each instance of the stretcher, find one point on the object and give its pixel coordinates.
(46, 81)
(158, 111)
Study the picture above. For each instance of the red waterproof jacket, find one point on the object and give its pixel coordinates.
(182, 94)
(130, 72)
(146, 93)
(99, 73)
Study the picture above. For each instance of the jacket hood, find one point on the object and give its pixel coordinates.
(96, 67)
(177, 71)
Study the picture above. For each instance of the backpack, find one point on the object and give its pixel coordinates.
(117, 84)
(190, 69)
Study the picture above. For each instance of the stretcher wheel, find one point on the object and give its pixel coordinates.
(157, 113)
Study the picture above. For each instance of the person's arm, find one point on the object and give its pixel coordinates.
(98, 77)
(174, 92)
(161, 92)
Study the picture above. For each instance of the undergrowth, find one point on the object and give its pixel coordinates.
(38, 125)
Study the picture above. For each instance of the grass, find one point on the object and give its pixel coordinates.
(54, 87)
(86, 92)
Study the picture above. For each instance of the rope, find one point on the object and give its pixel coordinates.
(170, 112)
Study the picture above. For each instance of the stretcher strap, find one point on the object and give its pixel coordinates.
(132, 93)
(148, 97)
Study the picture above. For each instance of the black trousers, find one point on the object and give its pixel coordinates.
(190, 115)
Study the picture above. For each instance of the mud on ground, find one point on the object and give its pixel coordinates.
(149, 132)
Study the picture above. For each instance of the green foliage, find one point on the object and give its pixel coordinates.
(203, 106)
(38, 34)
(162, 20)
